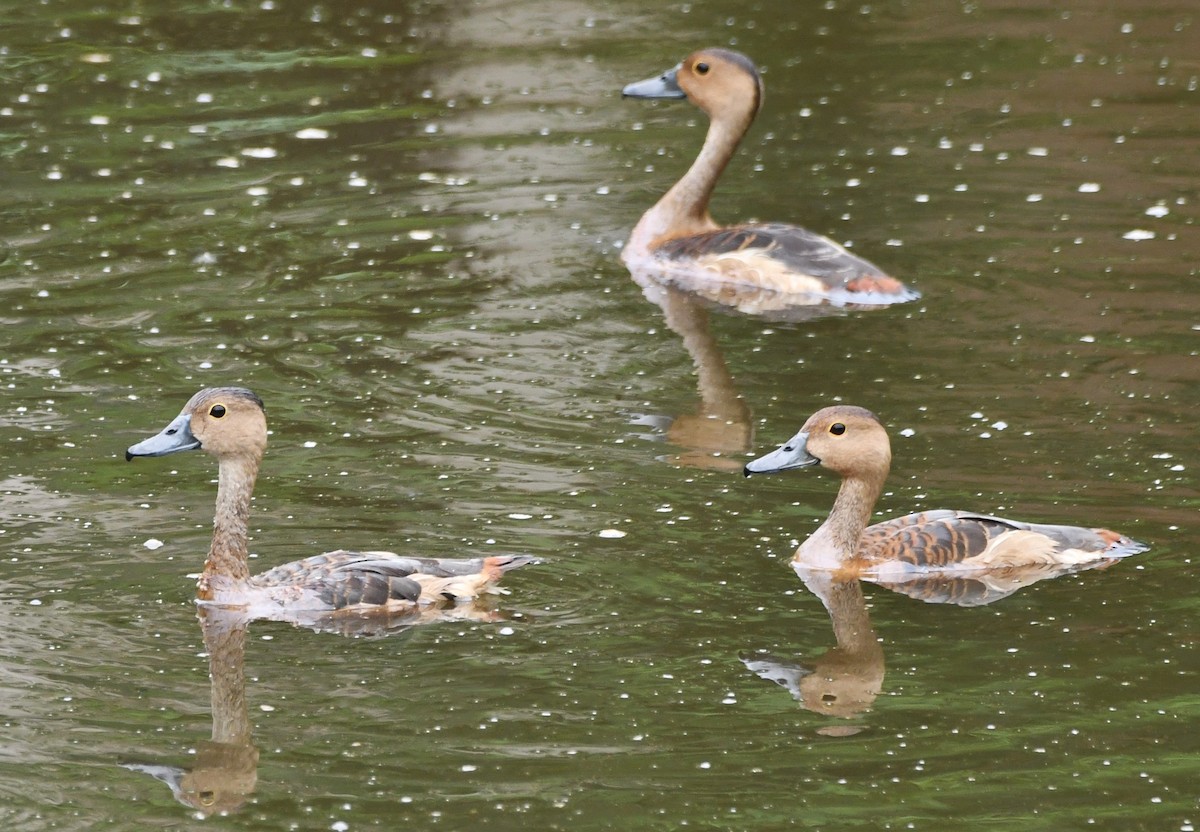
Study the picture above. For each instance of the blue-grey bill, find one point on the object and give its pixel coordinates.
(660, 86)
(175, 437)
(793, 454)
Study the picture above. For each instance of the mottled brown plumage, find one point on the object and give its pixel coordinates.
(229, 423)
(853, 443)
(677, 240)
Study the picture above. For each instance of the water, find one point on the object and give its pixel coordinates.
(400, 226)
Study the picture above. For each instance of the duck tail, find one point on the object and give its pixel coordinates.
(494, 567)
(1120, 546)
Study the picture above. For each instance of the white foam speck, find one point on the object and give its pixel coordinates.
(312, 133)
(613, 534)
(1157, 211)
(516, 515)
(1089, 188)
(260, 152)
(153, 543)
(1138, 234)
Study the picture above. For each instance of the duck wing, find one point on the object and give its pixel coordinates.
(955, 539)
(770, 253)
(343, 579)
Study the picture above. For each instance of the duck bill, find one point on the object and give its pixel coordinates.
(175, 437)
(794, 454)
(661, 86)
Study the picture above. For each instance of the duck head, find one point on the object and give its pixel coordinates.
(848, 440)
(224, 421)
(713, 79)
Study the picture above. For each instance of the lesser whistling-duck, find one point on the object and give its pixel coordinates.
(853, 443)
(229, 423)
(678, 237)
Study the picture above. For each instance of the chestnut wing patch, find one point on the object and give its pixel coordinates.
(933, 538)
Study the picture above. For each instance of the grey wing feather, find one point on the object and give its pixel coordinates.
(801, 250)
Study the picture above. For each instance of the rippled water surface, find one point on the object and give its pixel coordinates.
(399, 223)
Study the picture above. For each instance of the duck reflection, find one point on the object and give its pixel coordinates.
(225, 772)
(720, 430)
(844, 680)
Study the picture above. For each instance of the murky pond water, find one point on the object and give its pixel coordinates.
(400, 224)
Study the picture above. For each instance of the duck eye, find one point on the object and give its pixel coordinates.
(701, 68)
(837, 428)
(217, 411)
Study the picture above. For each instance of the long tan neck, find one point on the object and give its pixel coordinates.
(683, 210)
(850, 515)
(227, 556)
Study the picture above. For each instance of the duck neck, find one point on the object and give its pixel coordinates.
(225, 642)
(229, 551)
(683, 210)
(850, 515)
(851, 621)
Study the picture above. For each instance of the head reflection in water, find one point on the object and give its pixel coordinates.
(844, 680)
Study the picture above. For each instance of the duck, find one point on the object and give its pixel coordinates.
(230, 423)
(679, 239)
(853, 443)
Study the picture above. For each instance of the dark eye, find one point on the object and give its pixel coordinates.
(217, 411)
(701, 68)
(837, 428)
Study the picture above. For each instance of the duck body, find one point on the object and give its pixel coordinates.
(852, 442)
(229, 423)
(678, 240)
(348, 584)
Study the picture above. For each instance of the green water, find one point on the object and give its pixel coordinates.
(399, 224)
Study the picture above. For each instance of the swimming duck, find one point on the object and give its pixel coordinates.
(679, 238)
(230, 424)
(852, 442)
